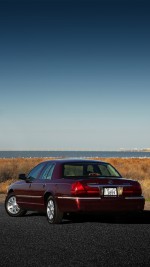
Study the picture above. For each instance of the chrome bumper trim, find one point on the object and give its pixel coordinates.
(94, 198)
(83, 198)
(134, 197)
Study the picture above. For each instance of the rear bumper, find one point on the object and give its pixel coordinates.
(98, 204)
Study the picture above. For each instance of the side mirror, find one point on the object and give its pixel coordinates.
(22, 176)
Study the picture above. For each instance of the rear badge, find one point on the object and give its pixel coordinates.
(110, 182)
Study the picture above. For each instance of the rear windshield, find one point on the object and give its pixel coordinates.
(90, 169)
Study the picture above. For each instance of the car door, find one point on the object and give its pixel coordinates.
(38, 186)
(27, 192)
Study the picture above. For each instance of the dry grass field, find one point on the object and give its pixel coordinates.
(135, 168)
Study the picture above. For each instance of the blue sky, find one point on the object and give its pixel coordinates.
(74, 75)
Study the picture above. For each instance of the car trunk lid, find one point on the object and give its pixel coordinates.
(106, 187)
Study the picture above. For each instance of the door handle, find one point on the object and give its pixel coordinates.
(44, 185)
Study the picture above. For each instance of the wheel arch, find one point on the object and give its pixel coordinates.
(10, 191)
(46, 196)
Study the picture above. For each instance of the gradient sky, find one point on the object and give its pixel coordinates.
(74, 74)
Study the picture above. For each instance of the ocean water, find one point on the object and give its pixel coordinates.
(74, 154)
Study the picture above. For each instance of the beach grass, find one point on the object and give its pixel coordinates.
(134, 168)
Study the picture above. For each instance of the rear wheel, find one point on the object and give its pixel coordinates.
(12, 208)
(54, 215)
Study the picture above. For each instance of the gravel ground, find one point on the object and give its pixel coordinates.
(91, 241)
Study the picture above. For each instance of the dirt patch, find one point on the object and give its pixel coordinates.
(147, 205)
(2, 198)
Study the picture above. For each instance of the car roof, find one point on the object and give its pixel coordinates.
(75, 160)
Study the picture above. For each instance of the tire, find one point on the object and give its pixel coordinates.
(12, 208)
(54, 215)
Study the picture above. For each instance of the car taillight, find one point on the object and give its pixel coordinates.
(78, 189)
(134, 190)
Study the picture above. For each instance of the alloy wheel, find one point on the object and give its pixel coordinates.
(50, 209)
(12, 206)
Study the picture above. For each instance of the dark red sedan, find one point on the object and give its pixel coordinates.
(73, 185)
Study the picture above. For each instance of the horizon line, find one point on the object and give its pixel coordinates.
(76, 150)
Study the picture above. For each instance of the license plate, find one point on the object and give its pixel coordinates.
(110, 191)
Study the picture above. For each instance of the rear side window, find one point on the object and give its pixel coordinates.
(47, 172)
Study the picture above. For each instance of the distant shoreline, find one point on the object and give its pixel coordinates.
(76, 150)
(75, 154)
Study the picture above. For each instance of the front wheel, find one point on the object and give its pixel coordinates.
(54, 215)
(12, 208)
